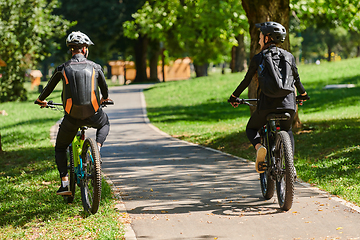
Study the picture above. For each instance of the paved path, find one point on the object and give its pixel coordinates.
(175, 190)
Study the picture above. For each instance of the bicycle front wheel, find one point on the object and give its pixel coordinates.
(91, 182)
(286, 174)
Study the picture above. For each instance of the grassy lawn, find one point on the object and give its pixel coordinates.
(29, 208)
(327, 146)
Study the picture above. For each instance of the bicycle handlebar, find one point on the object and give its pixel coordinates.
(51, 104)
(299, 100)
(244, 101)
(104, 103)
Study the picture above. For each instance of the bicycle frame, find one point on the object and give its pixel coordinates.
(77, 145)
(270, 130)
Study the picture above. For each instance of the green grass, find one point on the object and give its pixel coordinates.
(29, 207)
(327, 146)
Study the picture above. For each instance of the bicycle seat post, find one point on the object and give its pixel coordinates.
(83, 132)
(272, 124)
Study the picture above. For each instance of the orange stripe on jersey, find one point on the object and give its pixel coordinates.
(93, 96)
(66, 79)
(68, 105)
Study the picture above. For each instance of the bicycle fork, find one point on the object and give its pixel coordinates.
(77, 145)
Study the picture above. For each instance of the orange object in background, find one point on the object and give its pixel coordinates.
(35, 76)
(2, 63)
(176, 70)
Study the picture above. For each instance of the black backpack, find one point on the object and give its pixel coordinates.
(275, 73)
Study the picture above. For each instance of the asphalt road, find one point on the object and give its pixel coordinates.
(171, 189)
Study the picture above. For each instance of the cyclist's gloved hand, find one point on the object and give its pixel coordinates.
(107, 101)
(303, 97)
(234, 101)
(41, 103)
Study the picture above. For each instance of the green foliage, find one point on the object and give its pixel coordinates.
(153, 21)
(27, 27)
(203, 29)
(295, 44)
(102, 22)
(327, 13)
(325, 26)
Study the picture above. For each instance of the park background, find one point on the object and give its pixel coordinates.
(217, 36)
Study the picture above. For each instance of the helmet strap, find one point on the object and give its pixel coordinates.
(86, 52)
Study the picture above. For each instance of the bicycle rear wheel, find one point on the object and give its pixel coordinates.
(286, 177)
(266, 182)
(91, 183)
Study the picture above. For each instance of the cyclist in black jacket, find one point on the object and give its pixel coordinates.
(81, 100)
(271, 34)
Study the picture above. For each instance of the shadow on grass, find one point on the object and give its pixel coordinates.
(329, 151)
(22, 132)
(210, 111)
(28, 183)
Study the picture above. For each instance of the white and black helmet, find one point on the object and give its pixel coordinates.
(78, 38)
(273, 29)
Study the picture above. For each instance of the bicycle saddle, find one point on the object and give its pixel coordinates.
(278, 116)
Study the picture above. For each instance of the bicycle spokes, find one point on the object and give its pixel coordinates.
(91, 183)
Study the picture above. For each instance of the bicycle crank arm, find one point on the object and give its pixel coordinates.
(262, 166)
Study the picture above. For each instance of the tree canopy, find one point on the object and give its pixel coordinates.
(28, 28)
(102, 22)
(326, 22)
(327, 14)
(204, 29)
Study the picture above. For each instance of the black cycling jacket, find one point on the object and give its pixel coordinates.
(266, 102)
(81, 81)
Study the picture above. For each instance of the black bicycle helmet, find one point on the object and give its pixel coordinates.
(78, 38)
(273, 29)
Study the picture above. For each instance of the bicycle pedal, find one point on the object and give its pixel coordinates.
(262, 166)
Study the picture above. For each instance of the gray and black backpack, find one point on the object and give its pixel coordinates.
(275, 73)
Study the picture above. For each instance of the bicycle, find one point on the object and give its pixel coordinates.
(279, 161)
(84, 166)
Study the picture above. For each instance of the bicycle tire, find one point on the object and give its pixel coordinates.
(285, 180)
(91, 183)
(267, 184)
(72, 176)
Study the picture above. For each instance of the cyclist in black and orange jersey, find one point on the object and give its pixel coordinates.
(81, 79)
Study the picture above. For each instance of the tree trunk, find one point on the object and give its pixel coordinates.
(140, 59)
(0, 145)
(233, 59)
(258, 11)
(358, 51)
(238, 55)
(153, 60)
(329, 53)
(201, 70)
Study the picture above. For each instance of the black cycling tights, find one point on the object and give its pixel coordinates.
(258, 120)
(67, 131)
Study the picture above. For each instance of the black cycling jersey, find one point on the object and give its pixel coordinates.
(81, 79)
(266, 102)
